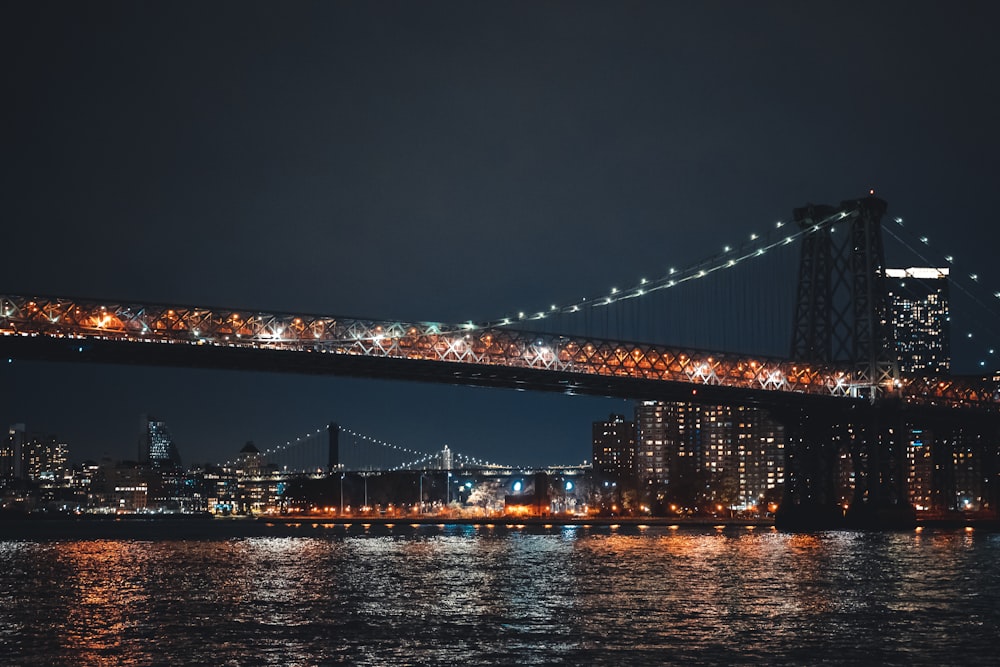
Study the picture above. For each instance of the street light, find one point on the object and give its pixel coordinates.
(342, 493)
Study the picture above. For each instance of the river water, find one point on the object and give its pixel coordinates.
(505, 595)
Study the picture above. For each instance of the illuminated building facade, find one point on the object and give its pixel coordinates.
(32, 456)
(158, 449)
(967, 492)
(760, 452)
(614, 448)
(256, 485)
(920, 470)
(250, 461)
(722, 454)
(741, 455)
(11, 453)
(669, 439)
(718, 454)
(45, 457)
(919, 319)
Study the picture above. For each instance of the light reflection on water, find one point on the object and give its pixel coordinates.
(480, 595)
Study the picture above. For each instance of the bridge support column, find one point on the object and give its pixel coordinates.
(811, 462)
(965, 450)
(878, 454)
(991, 471)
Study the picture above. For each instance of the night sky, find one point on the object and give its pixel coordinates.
(448, 161)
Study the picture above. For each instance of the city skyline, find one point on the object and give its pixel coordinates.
(593, 333)
(449, 163)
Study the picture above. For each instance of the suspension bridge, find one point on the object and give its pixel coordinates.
(820, 277)
(335, 468)
(339, 448)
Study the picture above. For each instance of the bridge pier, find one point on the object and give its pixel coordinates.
(879, 451)
(965, 455)
(811, 463)
(827, 452)
(881, 498)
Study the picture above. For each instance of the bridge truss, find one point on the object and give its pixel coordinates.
(63, 328)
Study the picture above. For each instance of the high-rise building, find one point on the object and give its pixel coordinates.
(254, 490)
(614, 447)
(919, 319)
(723, 454)
(760, 452)
(12, 453)
(719, 459)
(920, 469)
(32, 456)
(250, 462)
(157, 448)
(968, 473)
(45, 457)
(669, 443)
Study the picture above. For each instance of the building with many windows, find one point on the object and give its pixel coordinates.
(760, 452)
(614, 448)
(669, 437)
(11, 453)
(920, 469)
(157, 448)
(32, 456)
(726, 455)
(919, 318)
(46, 457)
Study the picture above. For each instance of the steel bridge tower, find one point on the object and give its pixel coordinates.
(841, 319)
(842, 302)
(332, 448)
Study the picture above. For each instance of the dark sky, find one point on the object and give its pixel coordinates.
(448, 161)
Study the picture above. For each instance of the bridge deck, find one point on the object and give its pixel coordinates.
(61, 328)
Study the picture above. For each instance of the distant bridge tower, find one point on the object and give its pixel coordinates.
(333, 447)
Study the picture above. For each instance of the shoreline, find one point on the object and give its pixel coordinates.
(944, 523)
(21, 524)
(518, 521)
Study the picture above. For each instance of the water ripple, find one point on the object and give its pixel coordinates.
(477, 595)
